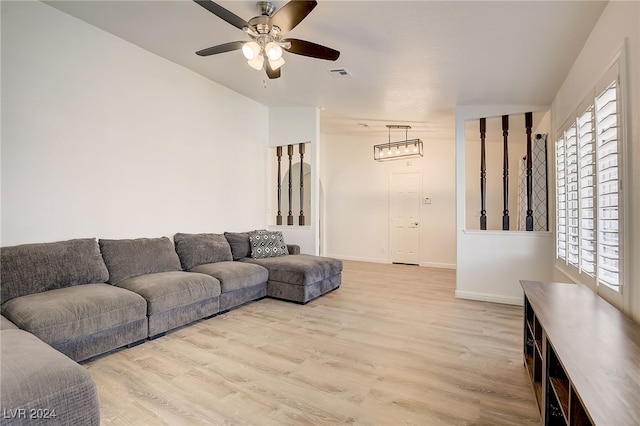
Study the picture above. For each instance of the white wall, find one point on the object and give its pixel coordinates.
(356, 202)
(491, 263)
(103, 139)
(619, 21)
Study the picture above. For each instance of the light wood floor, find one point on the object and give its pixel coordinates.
(392, 346)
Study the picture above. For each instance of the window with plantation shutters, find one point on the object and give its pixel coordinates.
(588, 189)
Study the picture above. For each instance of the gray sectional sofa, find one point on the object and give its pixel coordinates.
(150, 268)
(68, 301)
(41, 385)
(210, 254)
(58, 292)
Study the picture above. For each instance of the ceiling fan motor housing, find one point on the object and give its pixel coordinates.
(260, 24)
(265, 8)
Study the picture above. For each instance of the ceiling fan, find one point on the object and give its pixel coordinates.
(266, 31)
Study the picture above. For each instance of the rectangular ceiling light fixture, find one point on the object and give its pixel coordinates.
(408, 148)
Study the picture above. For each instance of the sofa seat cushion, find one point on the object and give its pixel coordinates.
(37, 379)
(66, 314)
(164, 291)
(299, 269)
(234, 275)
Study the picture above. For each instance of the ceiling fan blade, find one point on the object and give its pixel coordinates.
(271, 73)
(313, 50)
(223, 13)
(221, 48)
(291, 14)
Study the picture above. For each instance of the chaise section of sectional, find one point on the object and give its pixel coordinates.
(41, 385)
(293, 277)
(210, 254)
(56, 291)
(300, 277)
(151, 268)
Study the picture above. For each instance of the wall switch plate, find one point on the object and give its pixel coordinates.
(426, 200)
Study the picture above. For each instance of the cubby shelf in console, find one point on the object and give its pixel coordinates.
(582, 355)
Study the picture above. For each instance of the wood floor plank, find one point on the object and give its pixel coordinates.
(391, 346)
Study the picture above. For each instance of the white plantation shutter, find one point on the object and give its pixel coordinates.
(588, 190)
(571, 171)
(607, 153)
(561, 201)
(586, 161)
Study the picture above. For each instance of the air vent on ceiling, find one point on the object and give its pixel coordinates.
(339, 72)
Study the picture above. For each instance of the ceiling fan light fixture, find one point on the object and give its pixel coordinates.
(266, 31)
(257, 63)
(274, 51)
(276, 64)
(251, 50)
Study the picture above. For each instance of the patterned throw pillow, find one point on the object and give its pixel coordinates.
(267, 244)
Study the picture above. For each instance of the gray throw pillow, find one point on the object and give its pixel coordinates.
(199, 249)
(34, 268)
(131, 258)
(267, 244)
(239, 242)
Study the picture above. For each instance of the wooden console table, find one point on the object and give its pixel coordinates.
(582, 354)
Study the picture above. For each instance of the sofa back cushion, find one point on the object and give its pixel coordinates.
(199, 249)
(131, 258)
(34, 268)
(240, 245)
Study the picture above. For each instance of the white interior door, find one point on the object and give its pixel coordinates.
(405, 217)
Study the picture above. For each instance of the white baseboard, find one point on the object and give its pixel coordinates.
(438, 265)
(388, 262)
(484, 297)
(358, 259)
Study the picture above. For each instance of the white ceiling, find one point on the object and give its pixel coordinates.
(411, 62)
